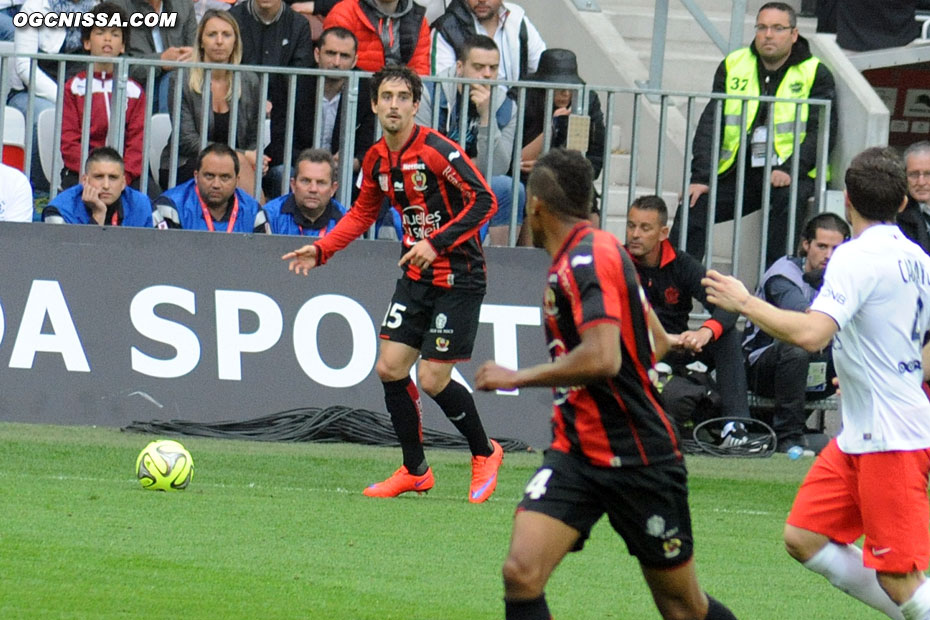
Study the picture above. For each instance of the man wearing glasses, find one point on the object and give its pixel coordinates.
(914, 219)
(778, 63)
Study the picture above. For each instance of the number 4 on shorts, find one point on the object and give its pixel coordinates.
(536, 487)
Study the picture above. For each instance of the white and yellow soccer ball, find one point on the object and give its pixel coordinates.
(164, 465)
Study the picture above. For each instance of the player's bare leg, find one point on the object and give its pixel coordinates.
(537, 545)
(678, 596)
(842, 565)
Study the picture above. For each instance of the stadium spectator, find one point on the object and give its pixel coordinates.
(29, 40)
(274, 36)
(872, 478)
(515, 35)
(777, 63)
(170, 44)
(8, 9)
(594, 317)
(16, 203)
(314, 11)
(863, 25)
(389, 32)
(780, 370)
(672, 281)
(217, 41)
(337, 50)
(108, 41)
(310, 209)
(479, 61)
(211, 201)
(433, 315)
(102, 197)
(914, 219)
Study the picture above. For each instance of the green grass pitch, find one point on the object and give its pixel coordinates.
(283, 531)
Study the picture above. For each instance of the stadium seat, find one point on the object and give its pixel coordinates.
(45, 130)
(14, 138)
(161, 133)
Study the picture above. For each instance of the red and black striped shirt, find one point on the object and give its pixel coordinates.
(441, 197)
(618, 421)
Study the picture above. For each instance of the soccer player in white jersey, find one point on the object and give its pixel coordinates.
(872, 478)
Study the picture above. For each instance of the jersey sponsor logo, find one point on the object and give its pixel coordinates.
(419, 181)
(837, 297)
(452, 177)
(398, 186)
(413, 166)
(420, 222)
(441, 320)
(582, 259)
(453, 155)
(911, 366)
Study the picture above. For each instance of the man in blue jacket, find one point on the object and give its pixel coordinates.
(310, 209)
(211, 201)
(102, 197)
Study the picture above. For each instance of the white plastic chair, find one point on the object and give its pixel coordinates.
(161, 134)
(14, 138)
(45, 132)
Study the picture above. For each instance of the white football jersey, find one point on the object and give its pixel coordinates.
(877, 289)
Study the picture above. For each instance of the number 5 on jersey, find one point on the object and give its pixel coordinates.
(393, 317)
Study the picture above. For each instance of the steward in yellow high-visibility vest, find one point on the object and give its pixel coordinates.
(778, 63)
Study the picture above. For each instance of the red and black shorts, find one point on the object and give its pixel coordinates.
(440, 323)
(647, 506)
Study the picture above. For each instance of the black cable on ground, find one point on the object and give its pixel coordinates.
(759, 442)
(328, 425)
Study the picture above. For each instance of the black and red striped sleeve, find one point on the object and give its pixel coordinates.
(360, 217)
(595, 274)
(478, 204)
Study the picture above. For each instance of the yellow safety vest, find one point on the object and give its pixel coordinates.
(743, 79)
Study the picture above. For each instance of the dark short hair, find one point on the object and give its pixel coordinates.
(652, 203)
(218, 148)
(781, 6)
(876, 183)
(823, 221)
(340, 33)
(107, 9)
(317, 156)
(475, 41)
(104, 153)
(564, 180)
(397, 72)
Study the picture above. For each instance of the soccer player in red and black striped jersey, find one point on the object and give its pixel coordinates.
(444, 201)
(614, 449)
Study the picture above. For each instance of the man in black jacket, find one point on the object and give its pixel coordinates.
(914, 219)
(273, 35)
(672, 281)
(777, 63)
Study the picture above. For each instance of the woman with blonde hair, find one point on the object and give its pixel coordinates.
(218, 41)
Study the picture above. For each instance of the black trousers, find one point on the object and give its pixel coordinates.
(780, 373)
(726, 357)
(776, 244)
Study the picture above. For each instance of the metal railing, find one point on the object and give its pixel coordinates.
(630, 101)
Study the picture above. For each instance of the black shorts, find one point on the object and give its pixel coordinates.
(440, 323)
(647, 506)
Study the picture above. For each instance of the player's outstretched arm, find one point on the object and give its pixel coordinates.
(597, 357)
(812, 331)
(302, 260)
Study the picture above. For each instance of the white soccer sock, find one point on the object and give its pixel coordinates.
(918, 606)
(842, 566)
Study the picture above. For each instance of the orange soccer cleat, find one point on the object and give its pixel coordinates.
(402, 481)
(484, 474)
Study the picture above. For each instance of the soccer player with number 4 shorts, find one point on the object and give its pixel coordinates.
(434, 313)
(614, 449)
(872, 478)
